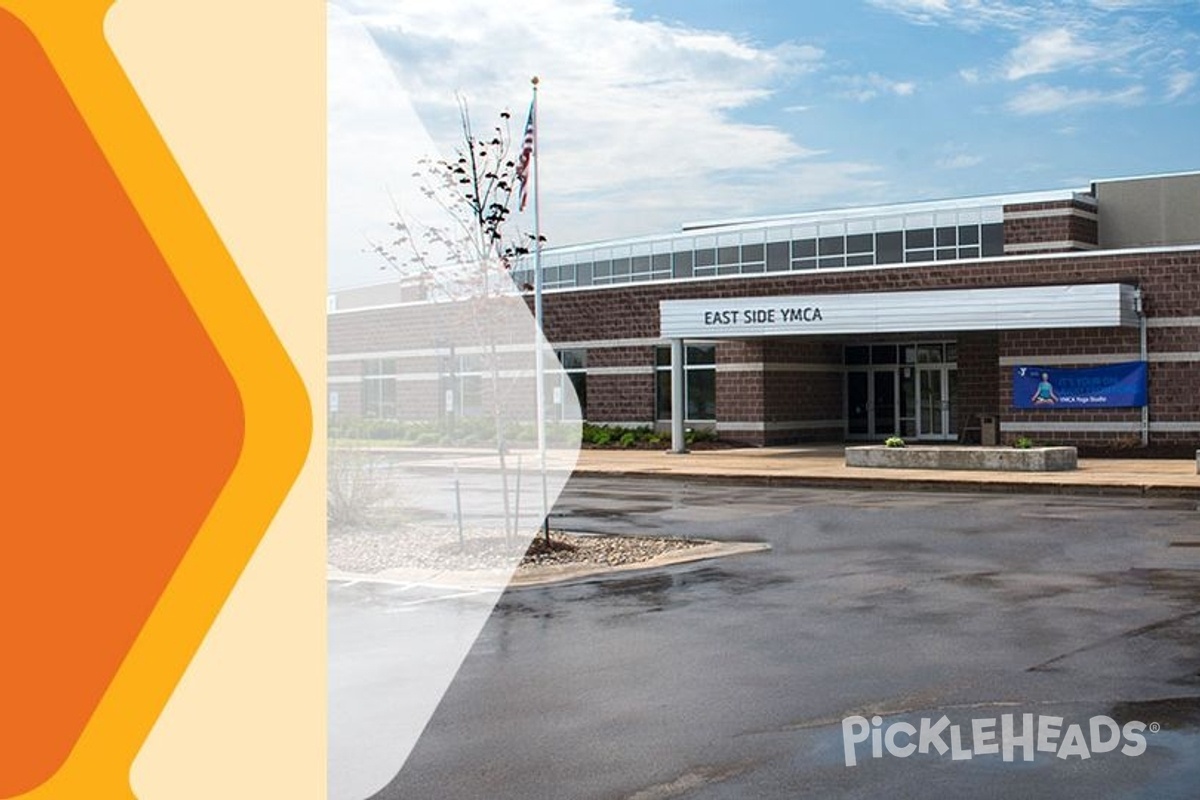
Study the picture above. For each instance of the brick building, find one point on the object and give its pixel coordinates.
(915, 319)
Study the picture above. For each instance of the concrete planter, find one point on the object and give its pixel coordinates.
(1008, 459)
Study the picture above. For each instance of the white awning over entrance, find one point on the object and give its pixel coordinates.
(1102, 305)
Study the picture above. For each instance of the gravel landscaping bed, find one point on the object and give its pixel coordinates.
(367, 551)
(606, 551)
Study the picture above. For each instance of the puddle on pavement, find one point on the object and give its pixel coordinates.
(1172, 713)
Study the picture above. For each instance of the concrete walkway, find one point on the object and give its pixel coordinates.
(824, 465)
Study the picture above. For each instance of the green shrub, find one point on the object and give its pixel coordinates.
(1023, 443)
(893, 441)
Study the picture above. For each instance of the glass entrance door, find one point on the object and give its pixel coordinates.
(871, 403)
(931, 420)
(858, 404)
(907, 389)
(884, 402)
(936, 401)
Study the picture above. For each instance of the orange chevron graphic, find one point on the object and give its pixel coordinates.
(155, 422)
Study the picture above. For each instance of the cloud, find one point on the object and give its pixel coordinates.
(1048, 51)
(967, 14)
(1178, 84)
(639, 121)
(1134, 41)
(1042, 99)
(867, 87)
(958, 161)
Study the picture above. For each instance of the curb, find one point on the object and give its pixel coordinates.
(909, 484)
(499, 581)
(570, 573)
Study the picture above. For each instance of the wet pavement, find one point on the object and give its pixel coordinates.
(731, 678)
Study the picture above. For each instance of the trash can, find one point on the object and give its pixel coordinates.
(988, 431)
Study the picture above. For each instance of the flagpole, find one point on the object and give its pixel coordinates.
(540, 357)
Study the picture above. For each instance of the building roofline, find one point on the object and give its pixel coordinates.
(1151, 177)
(911, 207)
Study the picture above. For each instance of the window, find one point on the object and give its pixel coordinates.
(682, 266)
(858, 241)
(573, 375)
(993, 239)
(379, 388)
(889, 247)
(700, 383)
(777, 256)
(470, 386)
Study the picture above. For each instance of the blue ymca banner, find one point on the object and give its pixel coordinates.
(1110, 386)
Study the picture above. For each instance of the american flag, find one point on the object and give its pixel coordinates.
(524, 161)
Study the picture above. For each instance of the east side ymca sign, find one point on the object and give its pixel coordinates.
(1016, 308)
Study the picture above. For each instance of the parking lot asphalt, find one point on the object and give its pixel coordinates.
(732, 678)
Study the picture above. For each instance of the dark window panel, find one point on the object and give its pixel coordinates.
(860, 261)
(700, 354)
(662, 392)
(804, 248)
(583, 275)
(641, 264)
(889, 247)
(919, 255)
(860, 243)
(602, 269)
(858, 354)
(683, 265)
(706, 258)
(832, 245)
(832, 263)
(884, 354)
(968, 234)
(572, 359)
(728, 269)
(661, 263)
(920, 238)
(752, 253)
(993, 239)
(749, 268)
(968, 252)
(701, 394)
(579, 383)
(947, 237)
(947, 254)
(620, 267)
(777, 256)
(727, 255)
(804, 263)
(662, 356)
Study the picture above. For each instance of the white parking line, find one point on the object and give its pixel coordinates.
(454, 596)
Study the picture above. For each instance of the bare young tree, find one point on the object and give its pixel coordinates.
(466, 256)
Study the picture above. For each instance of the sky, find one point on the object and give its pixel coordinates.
(654, 113)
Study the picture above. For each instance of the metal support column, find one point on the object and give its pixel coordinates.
(678, 443)
(1144, 346)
